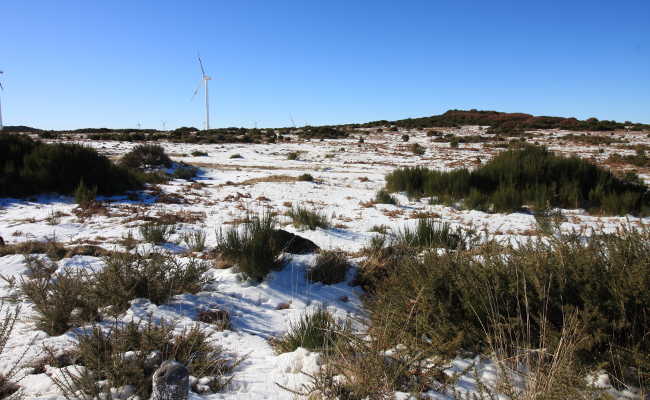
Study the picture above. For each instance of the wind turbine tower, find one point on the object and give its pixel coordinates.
(1, 88)
(204, 80)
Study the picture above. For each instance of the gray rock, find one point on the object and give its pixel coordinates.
(170, 382)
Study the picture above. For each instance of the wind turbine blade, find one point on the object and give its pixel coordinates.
(201, 64)
(196, 91)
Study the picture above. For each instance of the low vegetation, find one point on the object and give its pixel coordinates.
(156, 232)
(588, 295)
(31, 167)
(310, 219)
(329, 268)
(527, 176)
(314, 331)
(73, 297)
(9, 378)
(127, 355)
(253, 247)
(146, 156)
(384, 197)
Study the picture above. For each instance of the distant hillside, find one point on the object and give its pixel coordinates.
(501, 122)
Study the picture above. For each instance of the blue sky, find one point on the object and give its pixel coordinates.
(72, 64)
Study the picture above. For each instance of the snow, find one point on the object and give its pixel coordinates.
(342, 183)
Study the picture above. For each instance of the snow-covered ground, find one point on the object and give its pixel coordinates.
(346, 176)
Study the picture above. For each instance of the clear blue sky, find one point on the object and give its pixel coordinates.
(91, 63)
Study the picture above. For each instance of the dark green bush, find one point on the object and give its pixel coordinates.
(254, 249)
(31, 167)
(329, 268)
(405, 138)
(197, 153)
(528, 175)
(293, 155)
(146, 156)
(460, 296)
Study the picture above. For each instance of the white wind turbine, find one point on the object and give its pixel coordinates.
(204, 80)
(1, 88)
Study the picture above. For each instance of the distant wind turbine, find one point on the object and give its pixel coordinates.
(1, 88)
(204, 80)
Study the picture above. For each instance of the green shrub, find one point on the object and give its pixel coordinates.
(155, 276)
(303, 217)
(156, 232)
(129, 354)
(527, 175)
(146, 156)
(32, 167)
(429, 233)
(330, 267)
(197, 153)
(85, 196)
(306, 178)
(236, 155)
(383, 197)
(59, 303)
(315, 331)
(293, 155)
(405, 138)
(254, 249)
(454, 142)
(458, 297)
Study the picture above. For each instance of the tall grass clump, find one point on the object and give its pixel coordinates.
(253, 246)
(526, 176)
(315, 331)
(31, 167)
(329, 268)
(310, 219)
(430, 233)
(384, 197)
(600, 284)
(126, 355)
(146, 156)
(156, 232)
(195, 240)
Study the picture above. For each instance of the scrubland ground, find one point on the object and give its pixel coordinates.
(265, 178)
